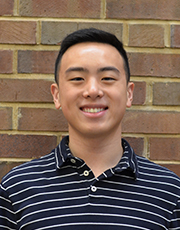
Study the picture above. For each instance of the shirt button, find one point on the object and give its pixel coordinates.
(73, 160)
(93, 189)
(86, 173)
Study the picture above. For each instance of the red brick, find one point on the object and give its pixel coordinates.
(54, 32)
(17, 32)
(139, 97)
(173, 167)
(16, 90)
(137, 144)
(160, 65)
(142, 35)
(115, 28)
(166, 93)
(36, 61)
(164, 148)
(5, 118)
(5, 167)
(61, 8)
(6, 61)
(6, 7)
(38, 119)
(151, 122)
(26, 146)
(143, 9)
(175, 36)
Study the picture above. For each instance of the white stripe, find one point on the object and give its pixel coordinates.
(97, 223)
(9, 210)
(49, 209)
(128, 208)
(3, 217)
(48, 193)
(163, 183)
(7, 227)
(143, 187)
(48, 185)
(94, 223)
(130, 200)
(136, 193)
(59, 146)
(133, 161)
(24, 168)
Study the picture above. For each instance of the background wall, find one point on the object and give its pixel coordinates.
(30, 34)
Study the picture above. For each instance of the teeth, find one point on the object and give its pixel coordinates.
(93, 110)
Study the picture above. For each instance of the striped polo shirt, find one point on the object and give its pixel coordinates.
(59, 191)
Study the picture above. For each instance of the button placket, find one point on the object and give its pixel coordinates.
(93, 188)
(86, 173)
(73, 160)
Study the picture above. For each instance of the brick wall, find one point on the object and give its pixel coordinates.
(30, 34)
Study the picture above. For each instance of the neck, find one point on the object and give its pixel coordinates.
(99, 153)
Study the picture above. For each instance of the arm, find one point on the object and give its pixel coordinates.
(7, 215)
(175, 220)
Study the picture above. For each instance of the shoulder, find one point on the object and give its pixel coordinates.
(157, 174)
(30, 169)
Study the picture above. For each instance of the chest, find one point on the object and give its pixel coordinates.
(92, 204)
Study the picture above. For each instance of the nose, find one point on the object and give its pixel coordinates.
(93, 89)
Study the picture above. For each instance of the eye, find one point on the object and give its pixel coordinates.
(108, 79)
(77, 79)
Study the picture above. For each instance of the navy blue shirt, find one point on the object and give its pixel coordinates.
(59, 191)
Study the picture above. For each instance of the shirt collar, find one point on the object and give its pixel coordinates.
(128, 162)
(62, 153)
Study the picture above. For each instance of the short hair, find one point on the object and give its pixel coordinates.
(91, 35)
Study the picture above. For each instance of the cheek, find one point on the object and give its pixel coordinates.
(71, 95)
(67, 111)
(120, 96)
(64, 94)
(68, 101)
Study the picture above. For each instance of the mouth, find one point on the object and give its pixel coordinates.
(93, 110)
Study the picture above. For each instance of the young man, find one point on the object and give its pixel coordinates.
(93, 179)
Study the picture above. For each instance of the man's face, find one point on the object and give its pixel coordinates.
(93, 91)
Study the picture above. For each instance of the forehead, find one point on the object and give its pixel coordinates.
(91, 51)
(91, 46)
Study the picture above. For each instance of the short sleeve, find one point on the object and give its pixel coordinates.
(175, 221)
(7, 215)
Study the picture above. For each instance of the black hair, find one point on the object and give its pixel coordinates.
(91, 35)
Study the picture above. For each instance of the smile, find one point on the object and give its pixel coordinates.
(93, 110)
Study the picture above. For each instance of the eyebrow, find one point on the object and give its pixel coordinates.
(108, 68)
(76, 69)
(103, 69)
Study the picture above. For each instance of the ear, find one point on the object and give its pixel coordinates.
(56, 95)
(130, 90)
